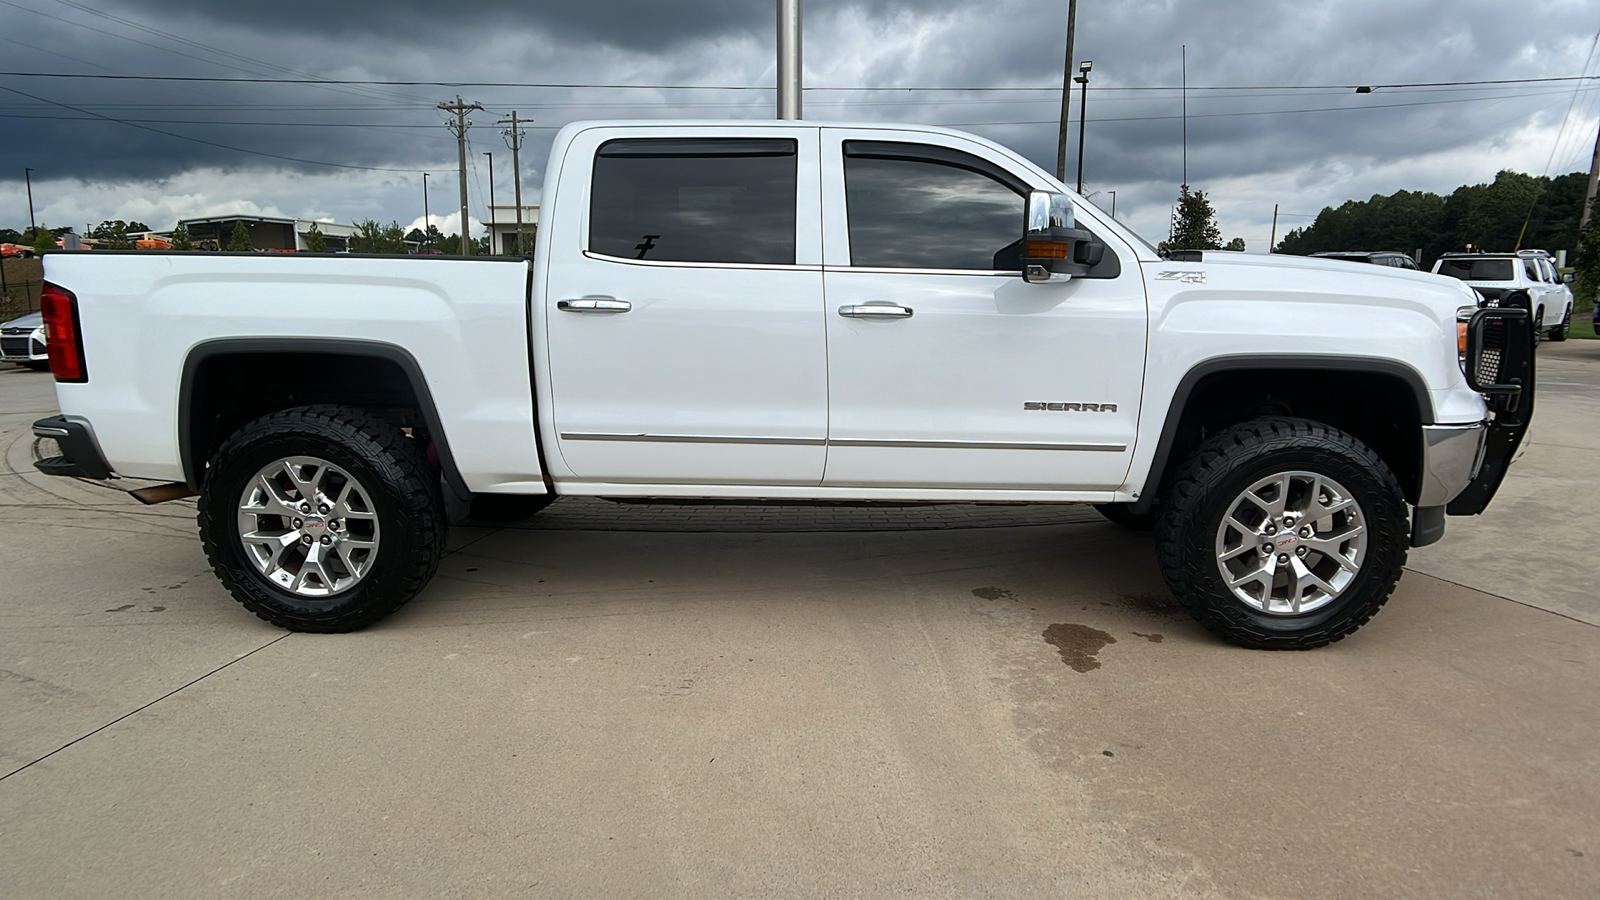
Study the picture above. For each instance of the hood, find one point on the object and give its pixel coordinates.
(1327, 276)
(30, 321)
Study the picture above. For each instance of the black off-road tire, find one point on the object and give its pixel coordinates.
(1560, 332)
(1538, 326)
(502, 508)
(1123, 514)
(390, 468)
(1224, 467)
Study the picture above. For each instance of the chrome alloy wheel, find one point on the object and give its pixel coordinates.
(1291, 543)
(308, 526)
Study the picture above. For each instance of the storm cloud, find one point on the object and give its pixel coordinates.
(1273, 115)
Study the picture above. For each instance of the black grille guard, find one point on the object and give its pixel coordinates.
(1499, 365)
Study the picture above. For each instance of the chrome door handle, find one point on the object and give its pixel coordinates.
(876, 310)
(594, 305)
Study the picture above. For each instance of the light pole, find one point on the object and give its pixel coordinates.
(490, 223)
(27, 175)
(427, 220)
(1083, 111)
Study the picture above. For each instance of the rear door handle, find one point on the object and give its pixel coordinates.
(594, 305)
(877, 309)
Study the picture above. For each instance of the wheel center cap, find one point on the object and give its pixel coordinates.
(1286, 540)
(315, 524)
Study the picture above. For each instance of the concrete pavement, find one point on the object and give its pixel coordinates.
(998, 707)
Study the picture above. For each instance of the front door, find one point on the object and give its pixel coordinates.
(946, 369)
(684, 309)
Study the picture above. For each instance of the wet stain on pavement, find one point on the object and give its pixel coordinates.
(993, 593)
(1079, 645)
(1152, 638)
(121, 608)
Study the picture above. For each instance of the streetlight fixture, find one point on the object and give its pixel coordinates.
(1083, 110)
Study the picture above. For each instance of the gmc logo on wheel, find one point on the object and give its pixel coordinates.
(1069, 407)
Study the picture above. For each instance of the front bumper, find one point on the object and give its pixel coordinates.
(1451, 458)
(80, 453)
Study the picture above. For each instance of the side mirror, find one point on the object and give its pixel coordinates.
(1054, 248)
(1566, 278)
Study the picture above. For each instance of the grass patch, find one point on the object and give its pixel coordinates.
(1582, 328)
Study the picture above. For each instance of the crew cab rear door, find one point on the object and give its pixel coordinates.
(683, 307)
(946, 369)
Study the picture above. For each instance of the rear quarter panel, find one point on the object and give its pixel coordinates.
(465, 323)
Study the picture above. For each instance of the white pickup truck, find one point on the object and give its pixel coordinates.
(796, 311)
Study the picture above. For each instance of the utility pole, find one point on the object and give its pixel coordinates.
(1594, 178)
(1273, 241)
(1066, 94)
(459, 128)
(27, 174)
(1083, 114)
(789, 52)
(490, 223)
(427, 220)
(514, 135)
(1185, 64)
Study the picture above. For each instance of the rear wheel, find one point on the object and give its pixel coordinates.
(1538, 326)
(1283, 534)
(321, 518)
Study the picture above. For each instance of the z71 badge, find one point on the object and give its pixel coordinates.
(1070, 407)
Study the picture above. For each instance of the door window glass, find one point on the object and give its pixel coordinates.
(930, 208)
(729, 200)
(1531, 270)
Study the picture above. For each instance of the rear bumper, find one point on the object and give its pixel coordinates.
(80, 453)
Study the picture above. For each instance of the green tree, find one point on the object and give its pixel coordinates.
(314, 240)
(43, 240)
(1236, 244)
(1586, 262)
(112, 235)
(1194, 223)
(10, 236)
(239, 240)
(370, 237)
(181, 239)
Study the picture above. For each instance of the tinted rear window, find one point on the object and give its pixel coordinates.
(696, 200)
(1478, 269)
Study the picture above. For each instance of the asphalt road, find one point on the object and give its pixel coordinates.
(648, 702)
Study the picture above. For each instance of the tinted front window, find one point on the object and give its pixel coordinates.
(1478, 269)
(702, 200)
(931, 213)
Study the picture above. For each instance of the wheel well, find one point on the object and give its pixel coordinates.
(224, 389)
(1377, 408)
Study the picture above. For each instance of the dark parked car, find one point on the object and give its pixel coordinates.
(1376, 257)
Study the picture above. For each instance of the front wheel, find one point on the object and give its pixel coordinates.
(321, 518)
(1283, 534)
(1560, 332)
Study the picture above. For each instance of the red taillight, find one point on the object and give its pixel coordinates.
(63, 338)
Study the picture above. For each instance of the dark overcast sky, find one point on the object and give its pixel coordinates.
(1282, 140)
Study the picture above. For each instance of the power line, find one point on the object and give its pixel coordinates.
(748, 87)
(184, 137)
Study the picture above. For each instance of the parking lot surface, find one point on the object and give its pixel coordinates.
(950, 701)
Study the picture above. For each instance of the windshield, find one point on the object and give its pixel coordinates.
(1477, 269)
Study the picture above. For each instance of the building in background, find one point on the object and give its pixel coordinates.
(502, 225)
(269, 233)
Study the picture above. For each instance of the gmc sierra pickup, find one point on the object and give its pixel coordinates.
(796, 311)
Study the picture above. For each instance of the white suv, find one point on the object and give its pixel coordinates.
(1526, 279)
